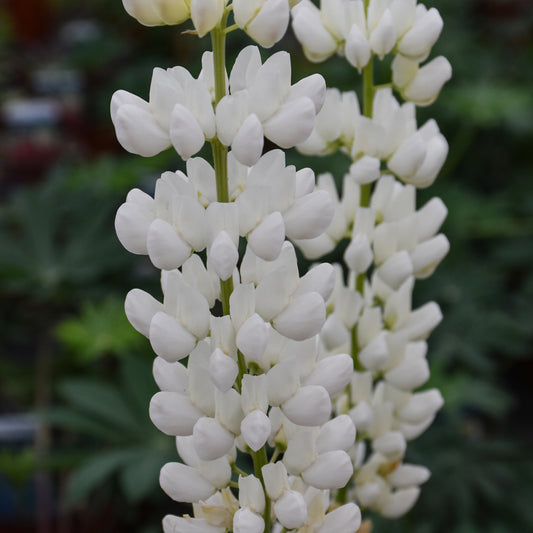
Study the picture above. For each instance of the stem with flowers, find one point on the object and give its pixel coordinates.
(312, 376)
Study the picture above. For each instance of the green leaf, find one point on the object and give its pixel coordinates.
(94, 472)
(102, 401)
(140, 477)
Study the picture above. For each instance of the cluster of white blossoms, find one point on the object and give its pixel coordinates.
(314, 377)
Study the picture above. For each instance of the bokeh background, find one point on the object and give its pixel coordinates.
(77, 450)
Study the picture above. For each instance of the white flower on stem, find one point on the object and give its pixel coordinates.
(344, 519)
(286, 113)
(420, 85)
(223, 370)
(265, 21)
(188, 484)
(255, 429)
(246, 521)
(417, 41)
(180, 524)
(179, 112)
(206, 14)
(158, 12)
(211, 440)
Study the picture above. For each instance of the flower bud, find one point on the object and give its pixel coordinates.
(255, 429)
(333, 373)
(223, 370)
(158, 12)
(358, 256)
(396, 269)
(131, 225)
(383, 36)
(357, 48)
(418, 41)
(407, 475)
(223, 256)
(247, 145)
(206, 14)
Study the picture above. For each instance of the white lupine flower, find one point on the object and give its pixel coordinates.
(223, 256)
(206, 14)
(407, 475)
(180, 524)
(136, 127)
(179, 111)
(170, 376)
(251, 494)
(302, 318)
(333, 373)
(392, 445)
(421, 406)
(290, 509)
(217, 510)
(413, 370)
(252, 338)
(420, 85)
(158, 12)
(286, 113)
(189, 484)
(310, 406)
(399, 502)
(344, 519)
(255, 429)
(337, 434)
(246, 521)
(211, 440)
(223, 370)
(417, 42)
(265, 21)
(331, 470)
(173, 413)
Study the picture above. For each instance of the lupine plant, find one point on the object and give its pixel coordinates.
(313, 376)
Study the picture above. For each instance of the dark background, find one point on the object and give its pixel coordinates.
(77, 450)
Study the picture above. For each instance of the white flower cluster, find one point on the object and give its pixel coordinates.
(314, 376)
(180, 112)
(358, 29)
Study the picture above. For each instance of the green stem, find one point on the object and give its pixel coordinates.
(220, 152)
(260, 459)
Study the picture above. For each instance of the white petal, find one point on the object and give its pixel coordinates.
(270, 24)
(180, 524)
(291, 510)
(310, 406)
(131, 224)
(251, 494)
(331, 470)
(169, 339)
(252, 338)
(267, 238)
(247, 144)
(173, 413)
(255, 429)
(337, 434)
(344, 519)
(309, 216)
(246, 521)
(140, 308)
(333, 373)
(400, 502)
(184, 484)
(302, 318)
(210, 439)
(185, 133)
(167, 250)
(223, 370)
(223, 256)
